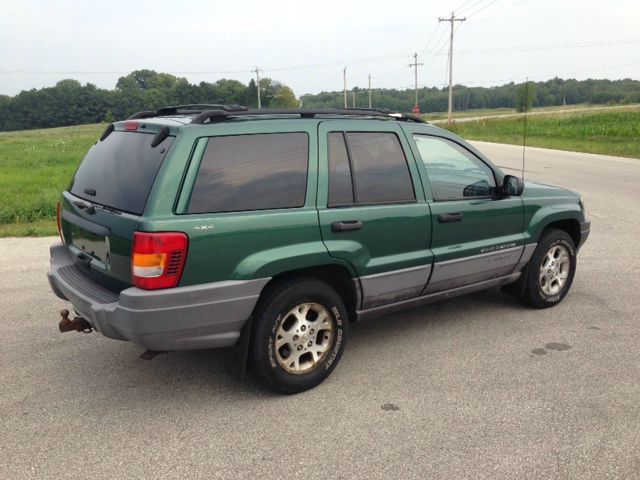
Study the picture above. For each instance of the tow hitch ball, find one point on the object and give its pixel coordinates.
(78, 324)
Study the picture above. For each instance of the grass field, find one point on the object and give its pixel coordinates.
(438, 117)
(606, 132)
(36, 165)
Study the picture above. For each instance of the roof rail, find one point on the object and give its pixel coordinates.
(186, 109)
(221, 115)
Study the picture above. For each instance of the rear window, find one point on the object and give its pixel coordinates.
(119, 171)
(252, 172)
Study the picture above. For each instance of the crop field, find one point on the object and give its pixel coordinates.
(605, 132)
(36, 165)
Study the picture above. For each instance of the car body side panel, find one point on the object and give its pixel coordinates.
(545, 204)
(239, 245)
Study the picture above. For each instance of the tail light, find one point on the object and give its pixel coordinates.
(59, 221)
(157, 259)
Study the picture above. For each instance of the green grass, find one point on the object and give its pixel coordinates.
(35, 166)
(606, 132)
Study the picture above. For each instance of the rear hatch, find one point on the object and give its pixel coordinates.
(102, 208)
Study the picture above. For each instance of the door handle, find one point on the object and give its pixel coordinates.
(346, 226)
(450, 217)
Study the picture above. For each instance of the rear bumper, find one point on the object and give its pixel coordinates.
(585, 229)
(184, 318)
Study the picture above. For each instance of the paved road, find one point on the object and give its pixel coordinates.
(453, 390)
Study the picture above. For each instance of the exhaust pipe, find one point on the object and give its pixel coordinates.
(78, 324)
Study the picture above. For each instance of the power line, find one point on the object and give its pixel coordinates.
(433, 34)
(337, 63)
(515, 79)
(214, 72)
(460, 7)
(480, 22)
(541, 47)
(470, 7)
(440, 44)
(122, 72)
(563, 74)
(557, 46)
(481, 9)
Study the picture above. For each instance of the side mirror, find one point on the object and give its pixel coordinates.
(511, 186)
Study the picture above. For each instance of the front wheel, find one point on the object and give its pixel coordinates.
(551, 270)
(299, 336)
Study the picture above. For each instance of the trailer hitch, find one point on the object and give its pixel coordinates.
(78, 324)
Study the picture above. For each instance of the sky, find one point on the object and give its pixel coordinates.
(306, 45)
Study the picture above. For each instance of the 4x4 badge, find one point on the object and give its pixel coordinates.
(203, 227)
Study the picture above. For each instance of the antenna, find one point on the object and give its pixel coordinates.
(524, 136)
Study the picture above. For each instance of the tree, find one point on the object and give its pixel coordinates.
(525, 97)
(70, 103)
(139, 79)
(284, 98)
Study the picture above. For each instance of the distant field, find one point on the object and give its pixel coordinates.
(615, 132)
(35, 166)
(481, 112)
(439, 117)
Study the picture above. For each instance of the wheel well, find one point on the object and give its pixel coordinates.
(572, 227)
(337, 276)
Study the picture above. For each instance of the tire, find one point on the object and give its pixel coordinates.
(550, 271)
(300, 332)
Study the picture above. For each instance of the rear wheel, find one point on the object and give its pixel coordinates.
(299, 335)
(551, 270)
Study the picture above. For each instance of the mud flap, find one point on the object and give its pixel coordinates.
(239, 357)
(517, 288)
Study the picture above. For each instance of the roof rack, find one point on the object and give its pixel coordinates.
(221, 115)
(186, 110)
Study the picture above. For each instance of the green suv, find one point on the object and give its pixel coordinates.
(212, 226)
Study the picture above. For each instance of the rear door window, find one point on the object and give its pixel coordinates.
(340, 180)
(370, 168)
(119, 171)
(252, 172)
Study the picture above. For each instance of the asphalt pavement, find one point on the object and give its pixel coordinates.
(474, 387)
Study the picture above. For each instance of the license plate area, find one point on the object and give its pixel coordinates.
(94, 245)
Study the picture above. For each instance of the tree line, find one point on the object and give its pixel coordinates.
(539, 94)
(71, 103)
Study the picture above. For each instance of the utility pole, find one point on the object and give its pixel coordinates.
(415, 65)
(369, 90)
(344, 78)
(353, 98)
(451, 20)
(257, 70)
